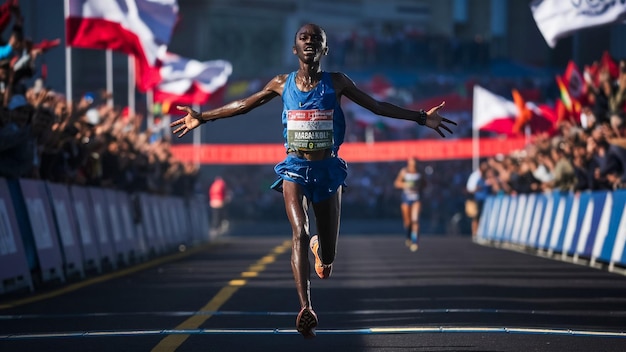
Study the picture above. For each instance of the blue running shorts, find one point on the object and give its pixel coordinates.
(319, 179)
(410, 198)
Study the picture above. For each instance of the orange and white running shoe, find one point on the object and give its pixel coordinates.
(322, 270)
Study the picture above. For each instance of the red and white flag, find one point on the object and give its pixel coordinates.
(187, 81)
(560, 18)
(141, 28)
(491, 112)
(574, 81)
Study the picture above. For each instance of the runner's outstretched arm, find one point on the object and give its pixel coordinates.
(194, 118)
(431, 118)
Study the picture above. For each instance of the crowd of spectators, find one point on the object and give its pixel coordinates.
(587, 152)
(578, 160)
(44, 135)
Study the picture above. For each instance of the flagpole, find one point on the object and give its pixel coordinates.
(475, 146)
(197, 139)
(109, 76)
(150, 109)
(68, 57)
(131, 84)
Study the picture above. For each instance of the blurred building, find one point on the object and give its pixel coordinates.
(257, 35)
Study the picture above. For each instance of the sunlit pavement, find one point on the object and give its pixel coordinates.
(238, 295)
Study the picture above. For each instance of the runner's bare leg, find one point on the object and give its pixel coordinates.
(415, 213)
(296, 207)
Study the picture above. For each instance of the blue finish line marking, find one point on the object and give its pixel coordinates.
(614, 313)
(365, 331)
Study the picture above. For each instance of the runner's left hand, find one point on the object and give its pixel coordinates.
(436, 121)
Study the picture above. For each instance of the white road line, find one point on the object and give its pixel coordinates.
(613, 313)
(363, 331)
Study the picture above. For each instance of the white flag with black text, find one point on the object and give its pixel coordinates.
(560, 18)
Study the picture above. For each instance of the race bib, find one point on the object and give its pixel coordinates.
(310, 129)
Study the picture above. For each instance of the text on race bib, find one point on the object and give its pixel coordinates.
(310, 129)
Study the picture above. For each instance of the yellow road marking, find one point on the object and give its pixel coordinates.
(237, 282)
(280, 249)
(267, 259)
(172, 342)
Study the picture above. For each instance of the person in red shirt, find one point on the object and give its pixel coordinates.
(217, 200)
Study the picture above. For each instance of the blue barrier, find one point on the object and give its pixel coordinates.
(59, 199)
(51, 232)
(41, 228)
(505, 202)
(105, 243)
(155, 211)
(85, 225)
(548, 221)
(597, 222)
(155, 242)
(587, 225)
(572, 234)
(606, 246)
(14, 268)
(484, 225)
(561, 220)
(516, 231)
(618, 254)
(162, 209)
(537, 220)
(529, 209)
(126, 244)
(121, 244)
(135, 239)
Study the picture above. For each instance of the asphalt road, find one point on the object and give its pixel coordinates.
(237, 294)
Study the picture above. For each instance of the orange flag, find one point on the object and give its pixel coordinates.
(523, 113)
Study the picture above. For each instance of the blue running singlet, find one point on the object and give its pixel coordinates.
(312, 121)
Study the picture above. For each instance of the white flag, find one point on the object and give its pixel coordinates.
(492, 112)
(560, 18)
(188, 81)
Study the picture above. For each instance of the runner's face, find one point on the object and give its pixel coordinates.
(310, 44)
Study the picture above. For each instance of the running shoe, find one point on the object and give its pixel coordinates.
(306, 322)
(414, 246)
(322, 270)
